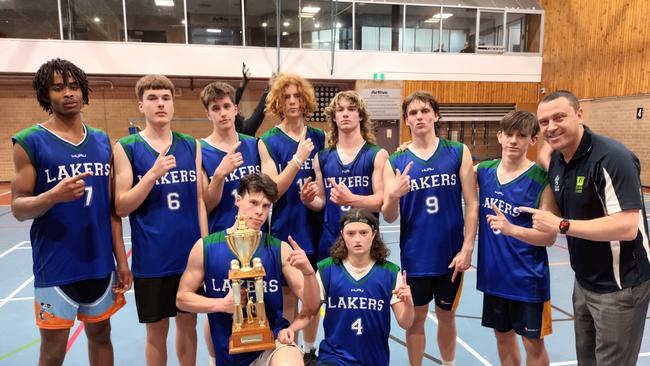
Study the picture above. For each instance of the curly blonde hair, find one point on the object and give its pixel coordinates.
(365, 124)
(275, 99)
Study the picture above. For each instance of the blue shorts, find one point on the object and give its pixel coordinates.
(528, 319)
(91, 301)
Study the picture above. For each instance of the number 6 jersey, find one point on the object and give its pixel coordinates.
(431, 213)
(166, 225)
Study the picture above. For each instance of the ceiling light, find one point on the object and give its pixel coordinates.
(311, 9)
(164, 2)
(431, 20)
(317, 25)
(338, 25)
(264, 24)
(286, 24)
(183, 22)
(443, 16)
(213, 30)
(96, 20)
(285, 33)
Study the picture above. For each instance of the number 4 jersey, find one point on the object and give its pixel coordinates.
(166, 225)
(431, 213)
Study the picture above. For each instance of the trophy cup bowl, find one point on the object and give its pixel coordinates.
(251, 333)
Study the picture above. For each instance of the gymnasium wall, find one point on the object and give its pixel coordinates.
(600, 51)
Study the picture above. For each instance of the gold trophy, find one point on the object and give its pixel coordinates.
(252, 333)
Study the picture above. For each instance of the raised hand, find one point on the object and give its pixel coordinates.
(499, 222)
(543, 221)
(403, 292)
(70, 189)
(163, 163)
(298, 259)
(401, 185)
(305, 146)
(286, 336)
(309, 190)
(340, 193)
(231, 161)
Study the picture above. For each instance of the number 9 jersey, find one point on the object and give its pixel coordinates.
(431, 213)
(166, 225)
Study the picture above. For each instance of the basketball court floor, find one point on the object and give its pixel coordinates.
(20, 339)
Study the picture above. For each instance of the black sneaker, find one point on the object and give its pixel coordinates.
(309, 358)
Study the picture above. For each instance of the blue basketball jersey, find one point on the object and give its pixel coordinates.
(290, 216)
(72, 241)
(431, 213)
(223, 216)
(356, 175)
(357, 315)
(216, 260)
(166, 225)
(508, 267)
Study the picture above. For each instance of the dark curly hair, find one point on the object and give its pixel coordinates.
(45, 75)
(378, 251)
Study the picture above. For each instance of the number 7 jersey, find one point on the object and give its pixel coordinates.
(431, 213)
(166, 225)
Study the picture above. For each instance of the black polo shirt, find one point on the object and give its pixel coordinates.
(601, 179)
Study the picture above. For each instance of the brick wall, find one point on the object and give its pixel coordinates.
(110, 110)
(616, 118)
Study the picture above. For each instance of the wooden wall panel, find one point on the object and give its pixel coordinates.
(475, 91)
(596, 48)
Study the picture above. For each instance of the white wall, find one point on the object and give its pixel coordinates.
(118, 58)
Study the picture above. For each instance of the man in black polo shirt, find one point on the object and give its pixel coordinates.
(598, 189)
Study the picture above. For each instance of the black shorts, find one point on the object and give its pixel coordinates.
(155, 298)
(445, 292)
(528, 319)
(313, 260)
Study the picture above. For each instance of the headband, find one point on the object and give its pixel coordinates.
(360, 219)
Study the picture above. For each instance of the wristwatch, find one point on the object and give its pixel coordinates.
(564, 226)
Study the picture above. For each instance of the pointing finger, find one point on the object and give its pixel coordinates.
(293, 243)
(496, 210)
(303, 134)
(408, 167)
(530, 210)
(234, 148)
(165, 150)
(82, 176)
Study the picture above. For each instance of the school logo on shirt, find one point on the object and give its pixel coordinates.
(556, 183)
(580, 180)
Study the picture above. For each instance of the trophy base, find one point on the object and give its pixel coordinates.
(251, 338)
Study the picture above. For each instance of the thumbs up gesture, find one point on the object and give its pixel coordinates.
(230, 162)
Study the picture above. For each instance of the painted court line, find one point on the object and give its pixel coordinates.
(4, 193)
(465, 345)
(12, 248)
(643, 354)
(11, 295)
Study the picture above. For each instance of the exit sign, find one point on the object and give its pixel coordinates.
(378, 76)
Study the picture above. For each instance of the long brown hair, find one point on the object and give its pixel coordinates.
(365, 124)
(378, 250)
(275, 98)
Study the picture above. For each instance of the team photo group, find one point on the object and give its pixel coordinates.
(277, 236)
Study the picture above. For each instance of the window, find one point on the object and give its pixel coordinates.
(458, 29)
(261, 23)
(215, 22)
(377, 26)
(491, 31)
(318, 28)
(159, 21)
(523, 32)
(30, 19)
(93, 20)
